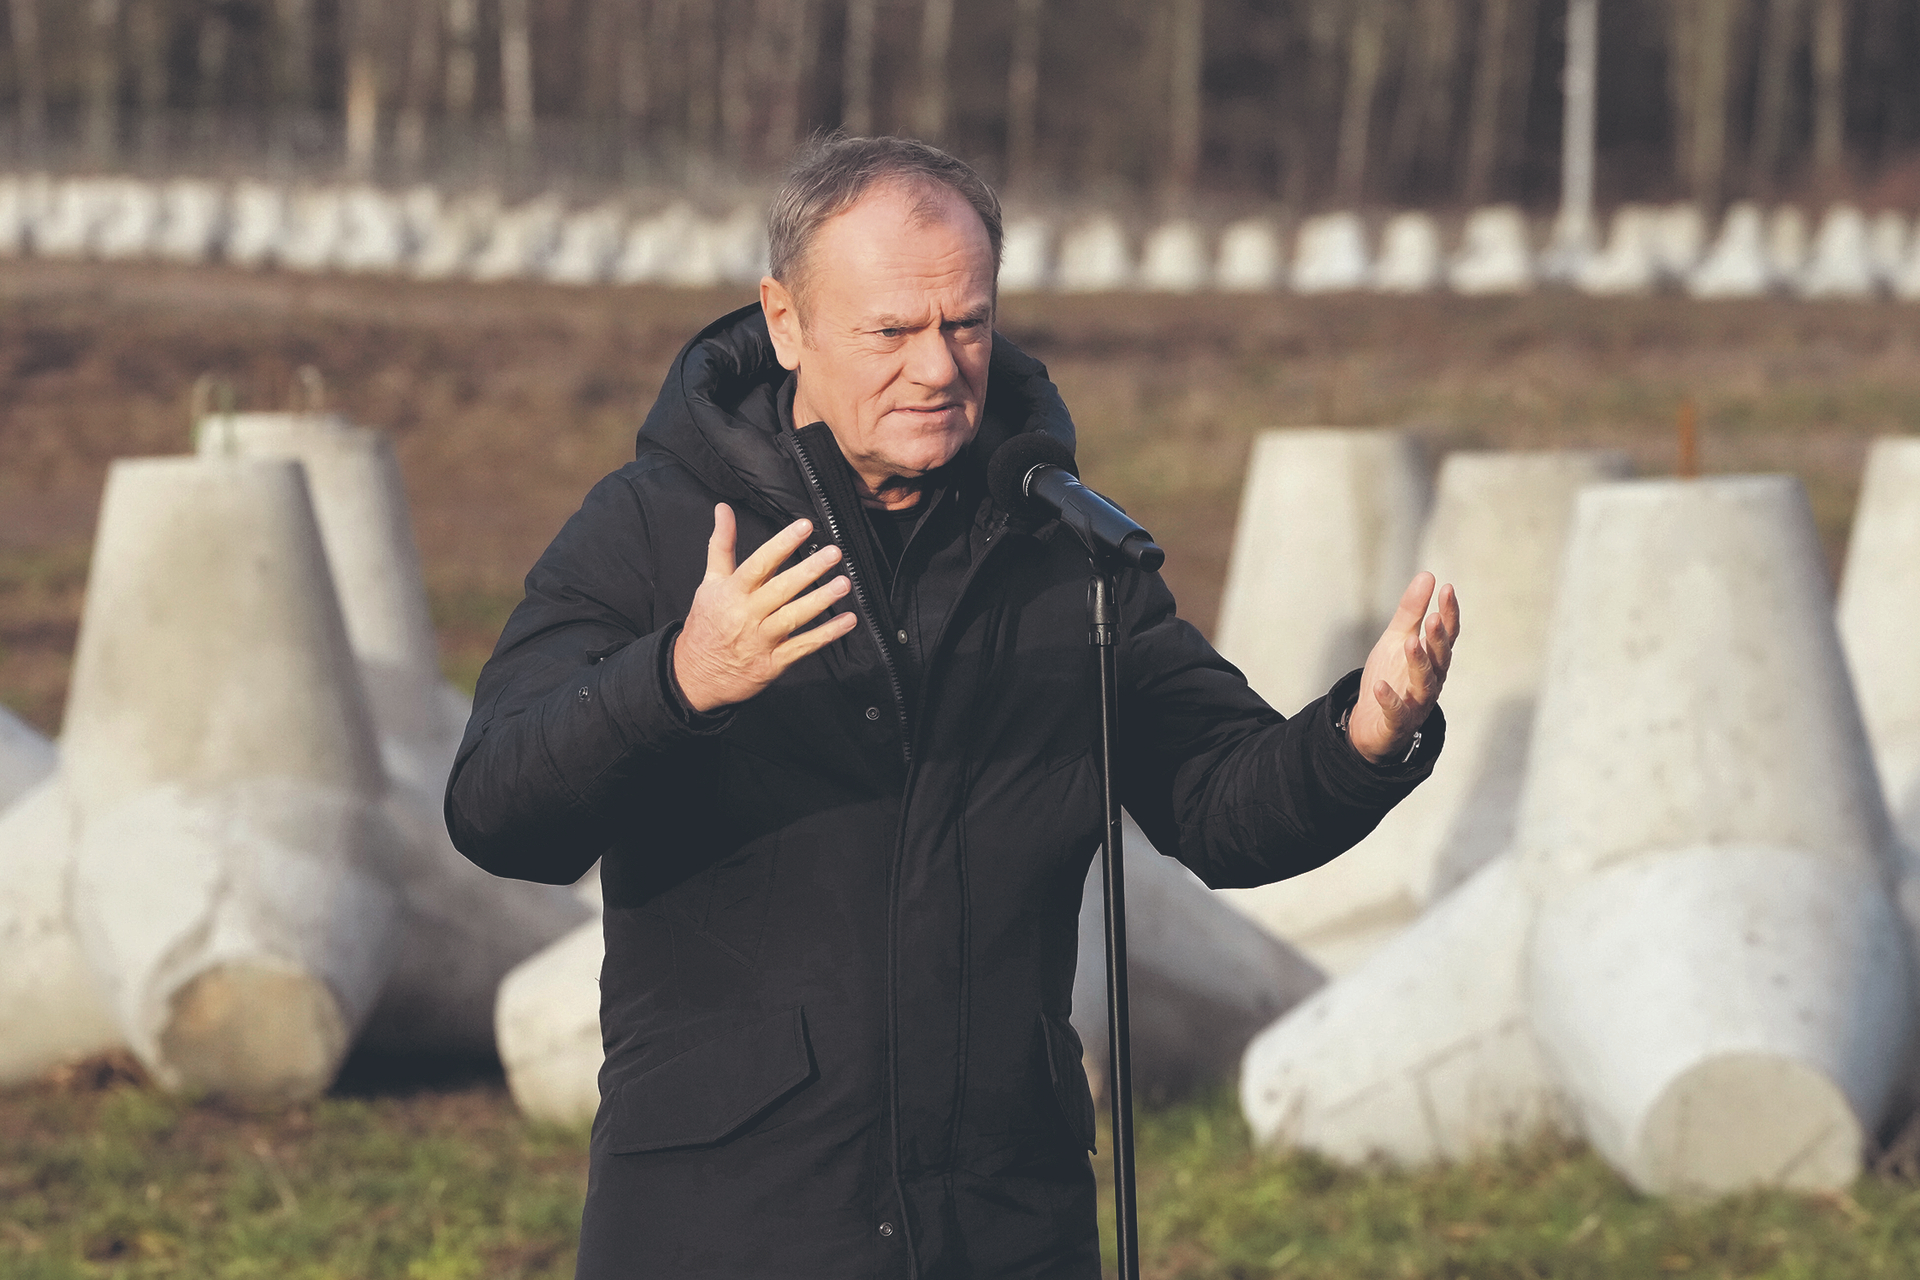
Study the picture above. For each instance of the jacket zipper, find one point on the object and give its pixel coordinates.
(861, 603)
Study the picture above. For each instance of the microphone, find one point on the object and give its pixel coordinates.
(1033, 474)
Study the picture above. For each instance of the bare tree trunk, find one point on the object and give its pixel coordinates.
(701, 40)
(463, 60)
(360, 35)
(1829, 89)
(1782, 36)
(737, 58)
(103, 81)
(1423, 117)
(799, 42)
(211, 72)
(1326, 26)
(147, 33)
(856, 93)
(936, 37)
(30, 73)
(1023, 92)
(516, 81)
(293, 54)
(1573, 229)
(423, 66)
(1489, 74)
(1186, 53)
(1366, 52)
(1701, 64)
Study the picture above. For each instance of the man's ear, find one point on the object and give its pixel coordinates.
(783, 321)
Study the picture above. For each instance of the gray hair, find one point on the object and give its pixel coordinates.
(837, 170)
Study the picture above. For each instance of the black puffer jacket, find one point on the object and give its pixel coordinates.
(841, 917)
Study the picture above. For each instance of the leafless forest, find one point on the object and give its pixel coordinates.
(1311, 103)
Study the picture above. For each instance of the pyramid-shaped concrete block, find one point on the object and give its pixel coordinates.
(1410, 259)
(1330, 254)
(547, 1022)
(1174, 258)
(232, 881)
(1094, 257)
(26, 758)
(51, 1009)
(1719, 974)
(1496, 253)
(463, 929)
(1887, 240)
(1250, 259)
(1736, 266)
(1498, 527)
(1842, 261)
(1879, 615)
(1201, 978)
(1627, 264)
(1324, 547)
(1025, 262)
(1423, 1053)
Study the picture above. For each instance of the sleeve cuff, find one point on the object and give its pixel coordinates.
(1355, 769)
(700, 722)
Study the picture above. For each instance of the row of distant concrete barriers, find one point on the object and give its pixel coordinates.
(429, 234)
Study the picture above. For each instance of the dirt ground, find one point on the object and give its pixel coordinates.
(507, 401)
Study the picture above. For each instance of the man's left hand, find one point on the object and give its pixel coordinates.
(1404, 673)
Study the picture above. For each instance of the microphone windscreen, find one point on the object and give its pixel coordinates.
(1007, 469)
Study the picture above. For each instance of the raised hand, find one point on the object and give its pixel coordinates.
(741, 631)
(1404, 673)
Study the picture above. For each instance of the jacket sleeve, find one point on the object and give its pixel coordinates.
(576, 704)
(1240, 794)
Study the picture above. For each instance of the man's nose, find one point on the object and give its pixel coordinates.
(930, 361)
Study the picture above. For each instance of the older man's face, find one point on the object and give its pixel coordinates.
(899, 326)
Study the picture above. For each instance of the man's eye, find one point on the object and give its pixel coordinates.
(890, 333)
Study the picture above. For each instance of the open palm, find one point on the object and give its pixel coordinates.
(1404, 673)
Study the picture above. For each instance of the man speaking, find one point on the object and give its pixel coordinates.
(823, 709)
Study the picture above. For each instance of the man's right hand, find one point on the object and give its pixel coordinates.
(740, 633)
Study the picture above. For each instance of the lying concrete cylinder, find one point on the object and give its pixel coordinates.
(1423, 1053)
(1324, 547)
(1879, 614)
(548, 1028)
(231, 885)
(51, 1010)
(1201, 979)
(463, 929)
(1498, 528)
(1718, 939)
(26, 758)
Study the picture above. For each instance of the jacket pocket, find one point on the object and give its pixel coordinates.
(710, 1092)
(1069, 1075)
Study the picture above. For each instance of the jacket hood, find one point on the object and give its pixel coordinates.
(718, 413)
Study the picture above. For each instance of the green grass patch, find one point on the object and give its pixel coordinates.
(125, 1183)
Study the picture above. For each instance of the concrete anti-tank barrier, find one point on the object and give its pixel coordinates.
(1879, 615)
(462, 929)
(1719, 975)
(26, 758)
(232, 880)
(547, 1023)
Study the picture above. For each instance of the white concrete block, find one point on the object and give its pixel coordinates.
(1094, 257)
(1878, 616)
(15, 233)
(51, 1010)
(1496, 253)
(1410, 259)
(373, 231)
(548, 1028)
(1727, 1016)
(663, 244)
(1025, 262)
(1737, 265)
(590, 239)
(1499, 526)
(1787, 244)
(1250, 258)
(1887, 247)
(1201, 978)
(130, 221)
(1905, 280)
(193, 221)
(523, 239)
(1719, 974)
(26, 758)
(1422, 1054)
(454, 234)
(1174, 258)
(1330, 254)
(1324, 546)
(232, 882)
(462, 929)
(316, 226)
(259, 223)
(1678, 238)
(74, 210)
(1627, 264)
(1841, 265)
(739, 245)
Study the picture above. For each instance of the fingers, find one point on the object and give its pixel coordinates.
(784, 587)
(790, 618)
(1413, 603)
(720, 544)
(796, 647)
(773, 553)
(1422, 679)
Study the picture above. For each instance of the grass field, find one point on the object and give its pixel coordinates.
(506, 402)
(101, 1176)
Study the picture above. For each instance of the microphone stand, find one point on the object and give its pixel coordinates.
(1103, 623)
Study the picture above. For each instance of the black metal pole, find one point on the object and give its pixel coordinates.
(1103, 618)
